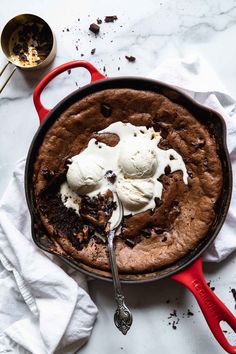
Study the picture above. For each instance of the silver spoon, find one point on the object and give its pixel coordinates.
(122, 318)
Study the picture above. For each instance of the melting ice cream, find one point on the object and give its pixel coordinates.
(136, 161)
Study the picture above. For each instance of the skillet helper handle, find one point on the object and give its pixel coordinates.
(43, 111)
(212, 308)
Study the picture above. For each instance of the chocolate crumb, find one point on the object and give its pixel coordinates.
(81, 54)
(158, 202)
(167, 170)
(118, 68)
(110, 19)
(190, 313)
(233, 291)
(67, 30)
(93, 51)
(106, 110)
(94, 28)
(173, 325)
(69, 71)
(110, 176)
(104, 69)
(129, 242)
(130, 58)
(99, 21)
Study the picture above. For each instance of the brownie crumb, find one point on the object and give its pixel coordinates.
(99, 21)
(94, 28)
(93, 51)
(110, 19)
(67, 30)
(69, 71)
(174, 325)
(118, 68)
(233, 291)
(130, 58)
(106, 110)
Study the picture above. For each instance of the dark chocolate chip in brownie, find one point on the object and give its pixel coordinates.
(130, 243)
(158, 202)
(167, 170)
(47, 174)
(106, 110)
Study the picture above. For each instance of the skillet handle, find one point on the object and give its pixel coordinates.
(43, 111)
(212, 308)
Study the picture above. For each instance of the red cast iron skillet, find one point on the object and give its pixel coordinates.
(187, 270)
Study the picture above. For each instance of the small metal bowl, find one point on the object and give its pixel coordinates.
(15, 25)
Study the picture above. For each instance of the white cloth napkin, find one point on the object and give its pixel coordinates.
(43, 310)
(196, 78)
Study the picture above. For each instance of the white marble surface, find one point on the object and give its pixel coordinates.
(151, 31)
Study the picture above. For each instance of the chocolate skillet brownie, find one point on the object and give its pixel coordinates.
(151, 239)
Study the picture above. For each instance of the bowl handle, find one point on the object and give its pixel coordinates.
(43, 111)
(212, 308)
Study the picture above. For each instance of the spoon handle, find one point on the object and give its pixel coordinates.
(122, 317)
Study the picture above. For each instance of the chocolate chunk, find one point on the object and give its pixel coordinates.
(106, 110)
(17, 48)
(93, 51)
(130, 243)
(110, 176)
(158, 202)
(158, 230)
(94, 28)
(47, 174)
(146, 232)
(99, 21)
(172, 157)
(167, 170)
(23, 57)
(130, 58)
(110, 18)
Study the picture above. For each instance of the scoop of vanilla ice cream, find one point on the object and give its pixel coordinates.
(137, 158)
(84, 174)
(135, 193)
